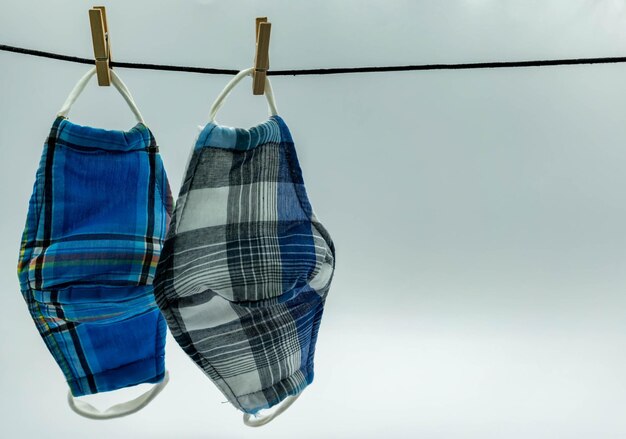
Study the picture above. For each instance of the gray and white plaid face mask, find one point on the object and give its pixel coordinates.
(246, 265)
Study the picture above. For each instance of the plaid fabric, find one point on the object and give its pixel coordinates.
(100, 209)
(246, 265)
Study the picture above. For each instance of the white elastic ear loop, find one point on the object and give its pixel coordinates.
(264, 418)
(117, 83)
(121, 87)
(269, 94)
(126, 408)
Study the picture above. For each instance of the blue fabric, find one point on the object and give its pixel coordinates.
(100, 209)
(246, 266)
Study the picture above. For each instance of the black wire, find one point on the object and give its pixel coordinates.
(329, 71)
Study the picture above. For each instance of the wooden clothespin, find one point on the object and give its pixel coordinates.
(101, 43)
(261, 57)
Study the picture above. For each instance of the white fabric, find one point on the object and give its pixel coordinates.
(125, 408)
(269, 94)
(265, 416)
(117, 83)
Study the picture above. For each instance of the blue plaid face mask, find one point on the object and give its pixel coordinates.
(246, 265)
(97, 217)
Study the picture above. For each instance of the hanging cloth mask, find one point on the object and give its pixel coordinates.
(246, 265)
(100, 209)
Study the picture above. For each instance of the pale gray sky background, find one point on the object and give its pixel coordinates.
(479, 216)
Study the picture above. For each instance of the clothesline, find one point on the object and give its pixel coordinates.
(324, 71)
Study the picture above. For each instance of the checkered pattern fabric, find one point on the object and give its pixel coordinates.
(246, 265)
(99, 212)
